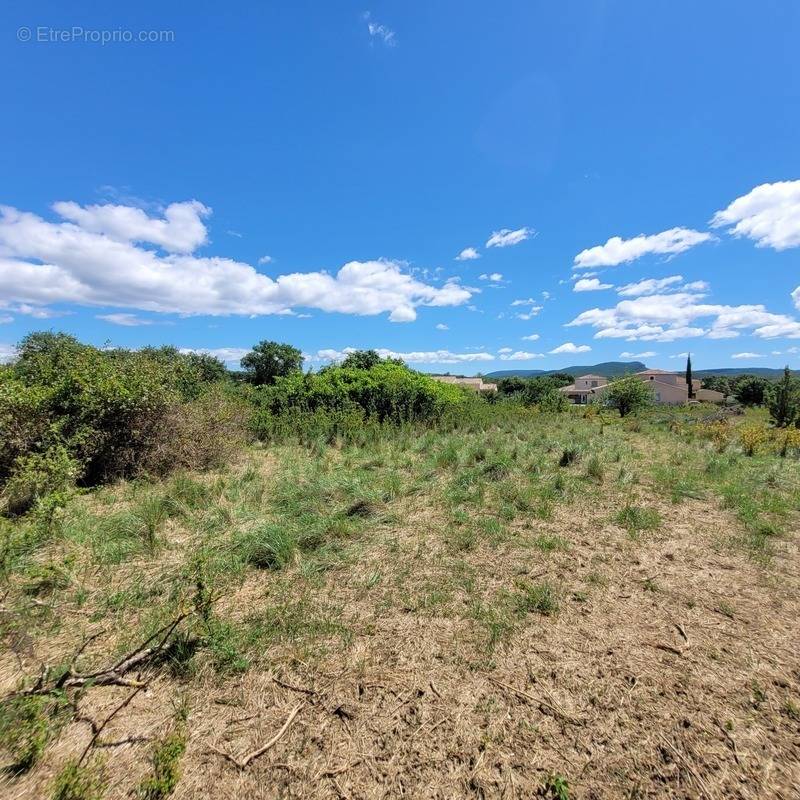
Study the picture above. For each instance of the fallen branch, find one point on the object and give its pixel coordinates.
(250, 757)
(109, 676)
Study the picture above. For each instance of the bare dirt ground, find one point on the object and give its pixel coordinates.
(672, 669)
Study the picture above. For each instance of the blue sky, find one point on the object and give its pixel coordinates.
(310, 172)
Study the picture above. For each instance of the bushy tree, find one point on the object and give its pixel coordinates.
(367, 359)
(511, 386)
(553, 401)
(718, 383)
(752, 390)
(627, 394)
(268, 361)
(784, 403)
(537, 387)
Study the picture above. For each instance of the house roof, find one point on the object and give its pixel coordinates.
(657, 372)
(593, 377)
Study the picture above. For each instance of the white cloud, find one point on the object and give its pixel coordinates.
(5, 319)
(668, 317)
(128, 320)
(442, 327)
(48, 262)
(590, 285)
(7, 352)
(265, 260)
(181, 230)
(747, 355)
(648, 286)
(520, 355)
(645, 354)
(546, 295)
(429, 356)
(468, 254)
(506, 237)
(415, 357)
(529, 302)
(497, 277)
(621, 251)
(531, 337)
(569, 347)
(768, 214)
(380, 32)
(228, 355)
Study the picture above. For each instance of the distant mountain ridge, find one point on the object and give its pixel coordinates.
(608, 369)
(612, 369)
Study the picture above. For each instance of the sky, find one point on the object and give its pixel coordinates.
(473, 187)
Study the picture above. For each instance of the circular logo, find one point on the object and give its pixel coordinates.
(24, 34)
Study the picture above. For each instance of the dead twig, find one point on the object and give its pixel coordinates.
(290, 687)
(243, 763)
(689, 766)
(548, 703)
(98, 729)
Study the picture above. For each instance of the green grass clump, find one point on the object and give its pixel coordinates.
(636, 519)
(539, 598)
(78, 782)
(27, 724)
(165, 759)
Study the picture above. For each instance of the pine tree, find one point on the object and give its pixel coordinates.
(783, 404)
(689, 384)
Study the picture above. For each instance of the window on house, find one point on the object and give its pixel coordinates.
(594, 383)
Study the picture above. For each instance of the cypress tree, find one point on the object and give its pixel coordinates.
(783, 406)
(689, 384)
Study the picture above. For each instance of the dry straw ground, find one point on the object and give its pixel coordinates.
(542, 606)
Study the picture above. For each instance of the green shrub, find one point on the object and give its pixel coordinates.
(386, 393)
(627, 394)
(36, 475)
(71, 412)
(76, 782)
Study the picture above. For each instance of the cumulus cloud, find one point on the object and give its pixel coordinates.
(414, 357)
(265, 260)
(590, 285)
(128, 320)
(569, 347)
(104, 264)
(648, 286)
(468, 254)
(668, 317)
(442, 327)
(228, 355)
(181, 230)
(768, 214)
(645, 354)
(506, 237)
(747, 355)
(622, 251)
(430, 356)
(495, 277)
(532, 337)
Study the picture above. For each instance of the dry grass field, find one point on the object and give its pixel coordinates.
(547, 605)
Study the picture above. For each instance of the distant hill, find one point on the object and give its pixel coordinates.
(730, 372)
(611, 369)
(608, 369)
